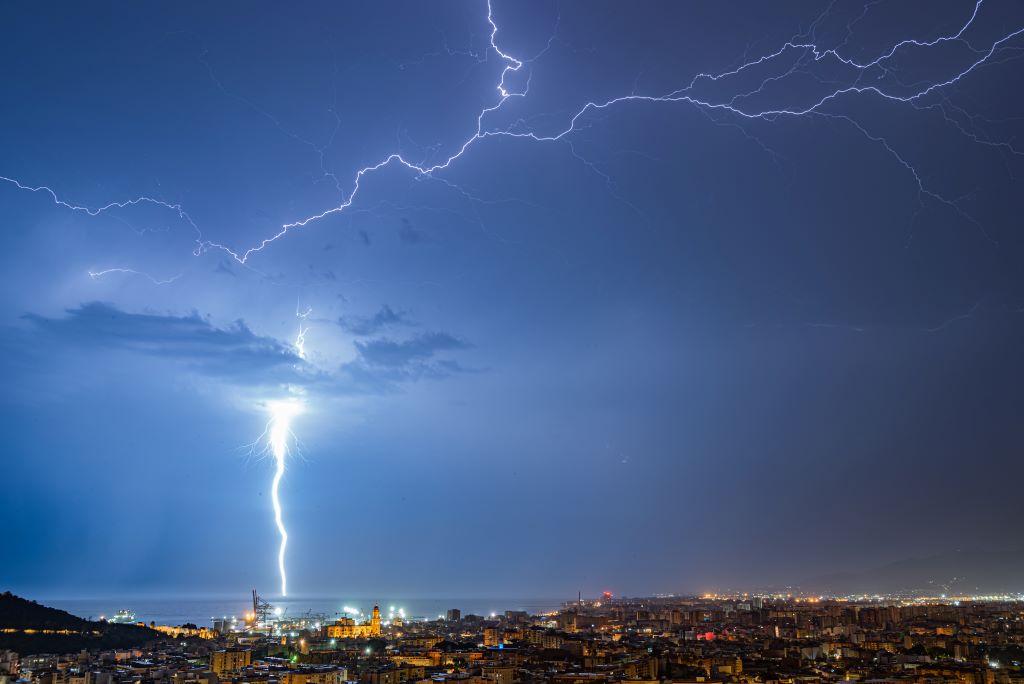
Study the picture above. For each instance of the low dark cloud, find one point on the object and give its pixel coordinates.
(384, 364)
(419, 349)
(237, 355)
(234, 351)
(364, 326)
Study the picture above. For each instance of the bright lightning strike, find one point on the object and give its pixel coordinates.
(795, 55)
(686, 95)
(277, 435)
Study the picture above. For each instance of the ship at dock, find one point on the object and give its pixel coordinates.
(123, 617)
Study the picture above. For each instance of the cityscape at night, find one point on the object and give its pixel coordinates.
(512, 342)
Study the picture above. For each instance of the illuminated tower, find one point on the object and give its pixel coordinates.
(375, 622)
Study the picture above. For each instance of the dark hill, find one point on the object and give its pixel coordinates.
(19, 613)
(41, 629)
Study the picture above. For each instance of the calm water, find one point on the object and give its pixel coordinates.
(176, 611)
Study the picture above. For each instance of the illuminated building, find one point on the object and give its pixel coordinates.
(492, 637)
(499, 674)
(346, 628)
(314, 676)
(230, 660)
(392, 674)
(179, 632)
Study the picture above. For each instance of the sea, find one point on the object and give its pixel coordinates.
(203, 611)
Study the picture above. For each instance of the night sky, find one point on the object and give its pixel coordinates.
(737, 330)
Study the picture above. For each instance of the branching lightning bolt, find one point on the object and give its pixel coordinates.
(279, 431)
(300, 336)
(275, 439)
(804, 48)
(131, 271)
(685, 95)
(96, 211)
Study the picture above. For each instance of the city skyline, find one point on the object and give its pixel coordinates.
(683, 640)
(511, 299)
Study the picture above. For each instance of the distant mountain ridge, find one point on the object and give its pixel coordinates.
(952, 573)
(36, 628)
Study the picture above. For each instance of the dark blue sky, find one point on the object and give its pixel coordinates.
(697, 341)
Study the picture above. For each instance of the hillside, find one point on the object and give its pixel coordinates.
(41, 629)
